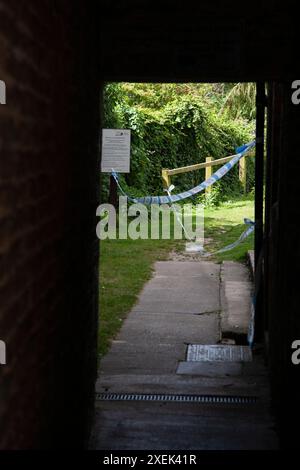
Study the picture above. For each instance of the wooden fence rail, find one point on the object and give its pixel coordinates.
(208, 164)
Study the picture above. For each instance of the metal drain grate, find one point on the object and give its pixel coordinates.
(205, 399)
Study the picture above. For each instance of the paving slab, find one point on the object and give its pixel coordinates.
(152, 329)
(236, 289)
(181, 287)
(186, 268)
(151, 342)
(209, 369)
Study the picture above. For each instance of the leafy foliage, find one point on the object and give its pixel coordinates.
(174, 125)
(240, 101)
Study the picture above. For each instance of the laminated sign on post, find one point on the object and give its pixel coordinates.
(115, 150)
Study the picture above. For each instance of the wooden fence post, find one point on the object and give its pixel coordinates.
(208, 173)
(243, 173)
(165, 178)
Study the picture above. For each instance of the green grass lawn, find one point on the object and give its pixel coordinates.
(125, 265)
(224, 224)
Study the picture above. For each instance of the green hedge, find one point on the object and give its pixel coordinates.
(183, 131)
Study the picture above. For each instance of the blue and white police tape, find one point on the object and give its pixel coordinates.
(241, 238)
(148, 200)
(250, 335)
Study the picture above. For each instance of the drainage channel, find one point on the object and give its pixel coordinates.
(203, 399)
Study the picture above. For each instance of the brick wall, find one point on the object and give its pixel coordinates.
(48, 196)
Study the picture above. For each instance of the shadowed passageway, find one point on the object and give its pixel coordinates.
(185, 304)
(55, 59)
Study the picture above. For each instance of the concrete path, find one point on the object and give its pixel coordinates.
(186, 302)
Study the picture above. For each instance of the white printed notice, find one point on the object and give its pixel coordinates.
(115, 150)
